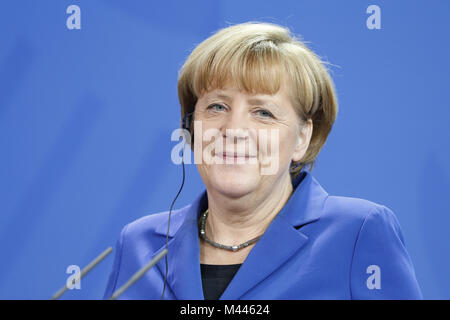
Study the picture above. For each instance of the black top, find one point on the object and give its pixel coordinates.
(215, 279)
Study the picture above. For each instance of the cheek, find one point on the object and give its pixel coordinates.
(268, 139)
(280, 143)
(205, 135)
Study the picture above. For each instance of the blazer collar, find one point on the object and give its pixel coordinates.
(280, 241)
(306, 202)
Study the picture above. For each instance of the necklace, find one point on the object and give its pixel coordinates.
(218, 245)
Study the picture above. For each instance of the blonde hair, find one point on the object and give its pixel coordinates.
(258, 57)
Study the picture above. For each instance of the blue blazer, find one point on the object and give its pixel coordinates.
(317, 247)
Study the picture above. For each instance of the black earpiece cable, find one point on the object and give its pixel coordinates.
(170, 213)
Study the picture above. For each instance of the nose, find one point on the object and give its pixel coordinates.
(236, 125)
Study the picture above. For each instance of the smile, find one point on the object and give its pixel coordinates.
(231, 155)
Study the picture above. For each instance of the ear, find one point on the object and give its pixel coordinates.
(303, 139)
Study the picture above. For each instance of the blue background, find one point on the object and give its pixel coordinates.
(86, 117)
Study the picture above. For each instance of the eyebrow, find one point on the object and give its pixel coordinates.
(255, 101)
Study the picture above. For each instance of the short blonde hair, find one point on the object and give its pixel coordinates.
(258, 57)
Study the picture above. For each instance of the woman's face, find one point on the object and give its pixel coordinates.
(247, 142)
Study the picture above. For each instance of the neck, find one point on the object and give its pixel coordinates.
(232, 221)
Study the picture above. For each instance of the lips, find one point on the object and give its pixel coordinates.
(232, 155)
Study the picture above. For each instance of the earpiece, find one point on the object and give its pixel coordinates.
(186, 124)
(186, 121)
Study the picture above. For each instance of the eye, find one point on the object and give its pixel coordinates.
(216, 107)
(264, 113)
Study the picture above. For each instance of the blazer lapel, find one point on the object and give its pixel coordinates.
(183, 253)
(281, 240)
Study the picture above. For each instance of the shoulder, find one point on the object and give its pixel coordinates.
(148, 223)
(154, 224)
(338, 209)
(367, 225)
(357, 210)
(137, 239)
(361, 219)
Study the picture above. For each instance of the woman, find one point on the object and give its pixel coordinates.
(255, 234)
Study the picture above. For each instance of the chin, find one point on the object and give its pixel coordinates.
(235, 181)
